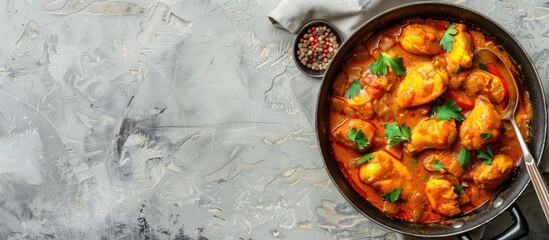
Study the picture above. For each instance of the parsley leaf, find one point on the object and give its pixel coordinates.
(396, 134)
(358, 137)
(449, 110)
(464, 156)
(362, 143)
(353, 89)
(483, 67)
(460, 69)
(380, 65)
(365, 158)
(447, 40)
(392, 196)
(485, 135)
(459, 189)
(487, 155)
(438, 165)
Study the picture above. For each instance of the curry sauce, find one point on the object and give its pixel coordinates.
(416, 127)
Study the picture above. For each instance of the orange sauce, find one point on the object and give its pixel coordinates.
(385, 110)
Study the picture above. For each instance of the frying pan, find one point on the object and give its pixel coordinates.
(505, 198)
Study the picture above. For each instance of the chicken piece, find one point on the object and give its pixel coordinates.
(385, 173)
(353, 109)
(341, 133)
(420, 39)
(479, 40)
(457, 81)
(442, 197)
(431, 134)
(383, 83)
(423, 83)
(485, 83)
(446, 163)
(361, 105)
(462, 50)
(491, 176)
(482, 119)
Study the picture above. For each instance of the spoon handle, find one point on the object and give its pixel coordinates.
(537, 180)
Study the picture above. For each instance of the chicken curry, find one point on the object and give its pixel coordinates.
(415, 125)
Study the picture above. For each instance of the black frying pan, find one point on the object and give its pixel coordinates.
(505, 197)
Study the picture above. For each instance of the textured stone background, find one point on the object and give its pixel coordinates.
(176, 119)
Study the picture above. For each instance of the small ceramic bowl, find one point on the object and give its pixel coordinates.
(303, 31)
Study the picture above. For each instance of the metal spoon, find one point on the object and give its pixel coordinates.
(484, 56)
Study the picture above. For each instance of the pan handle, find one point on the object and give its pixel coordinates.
(517, 230)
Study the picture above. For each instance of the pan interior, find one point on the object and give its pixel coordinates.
(510, 192)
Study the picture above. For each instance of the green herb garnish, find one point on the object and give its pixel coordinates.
(380, 65)
(487, 155)
(353, 89)
(396, 134)
(483, 67)
(485, 135)
(464, 156)
(459, 189)
(365, 158)
(449, 110)
(447, 40)
(392, 196)
(358, 137)
(438, 165)
(460, 69)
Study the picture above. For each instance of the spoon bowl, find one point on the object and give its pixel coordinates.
(486, 56)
